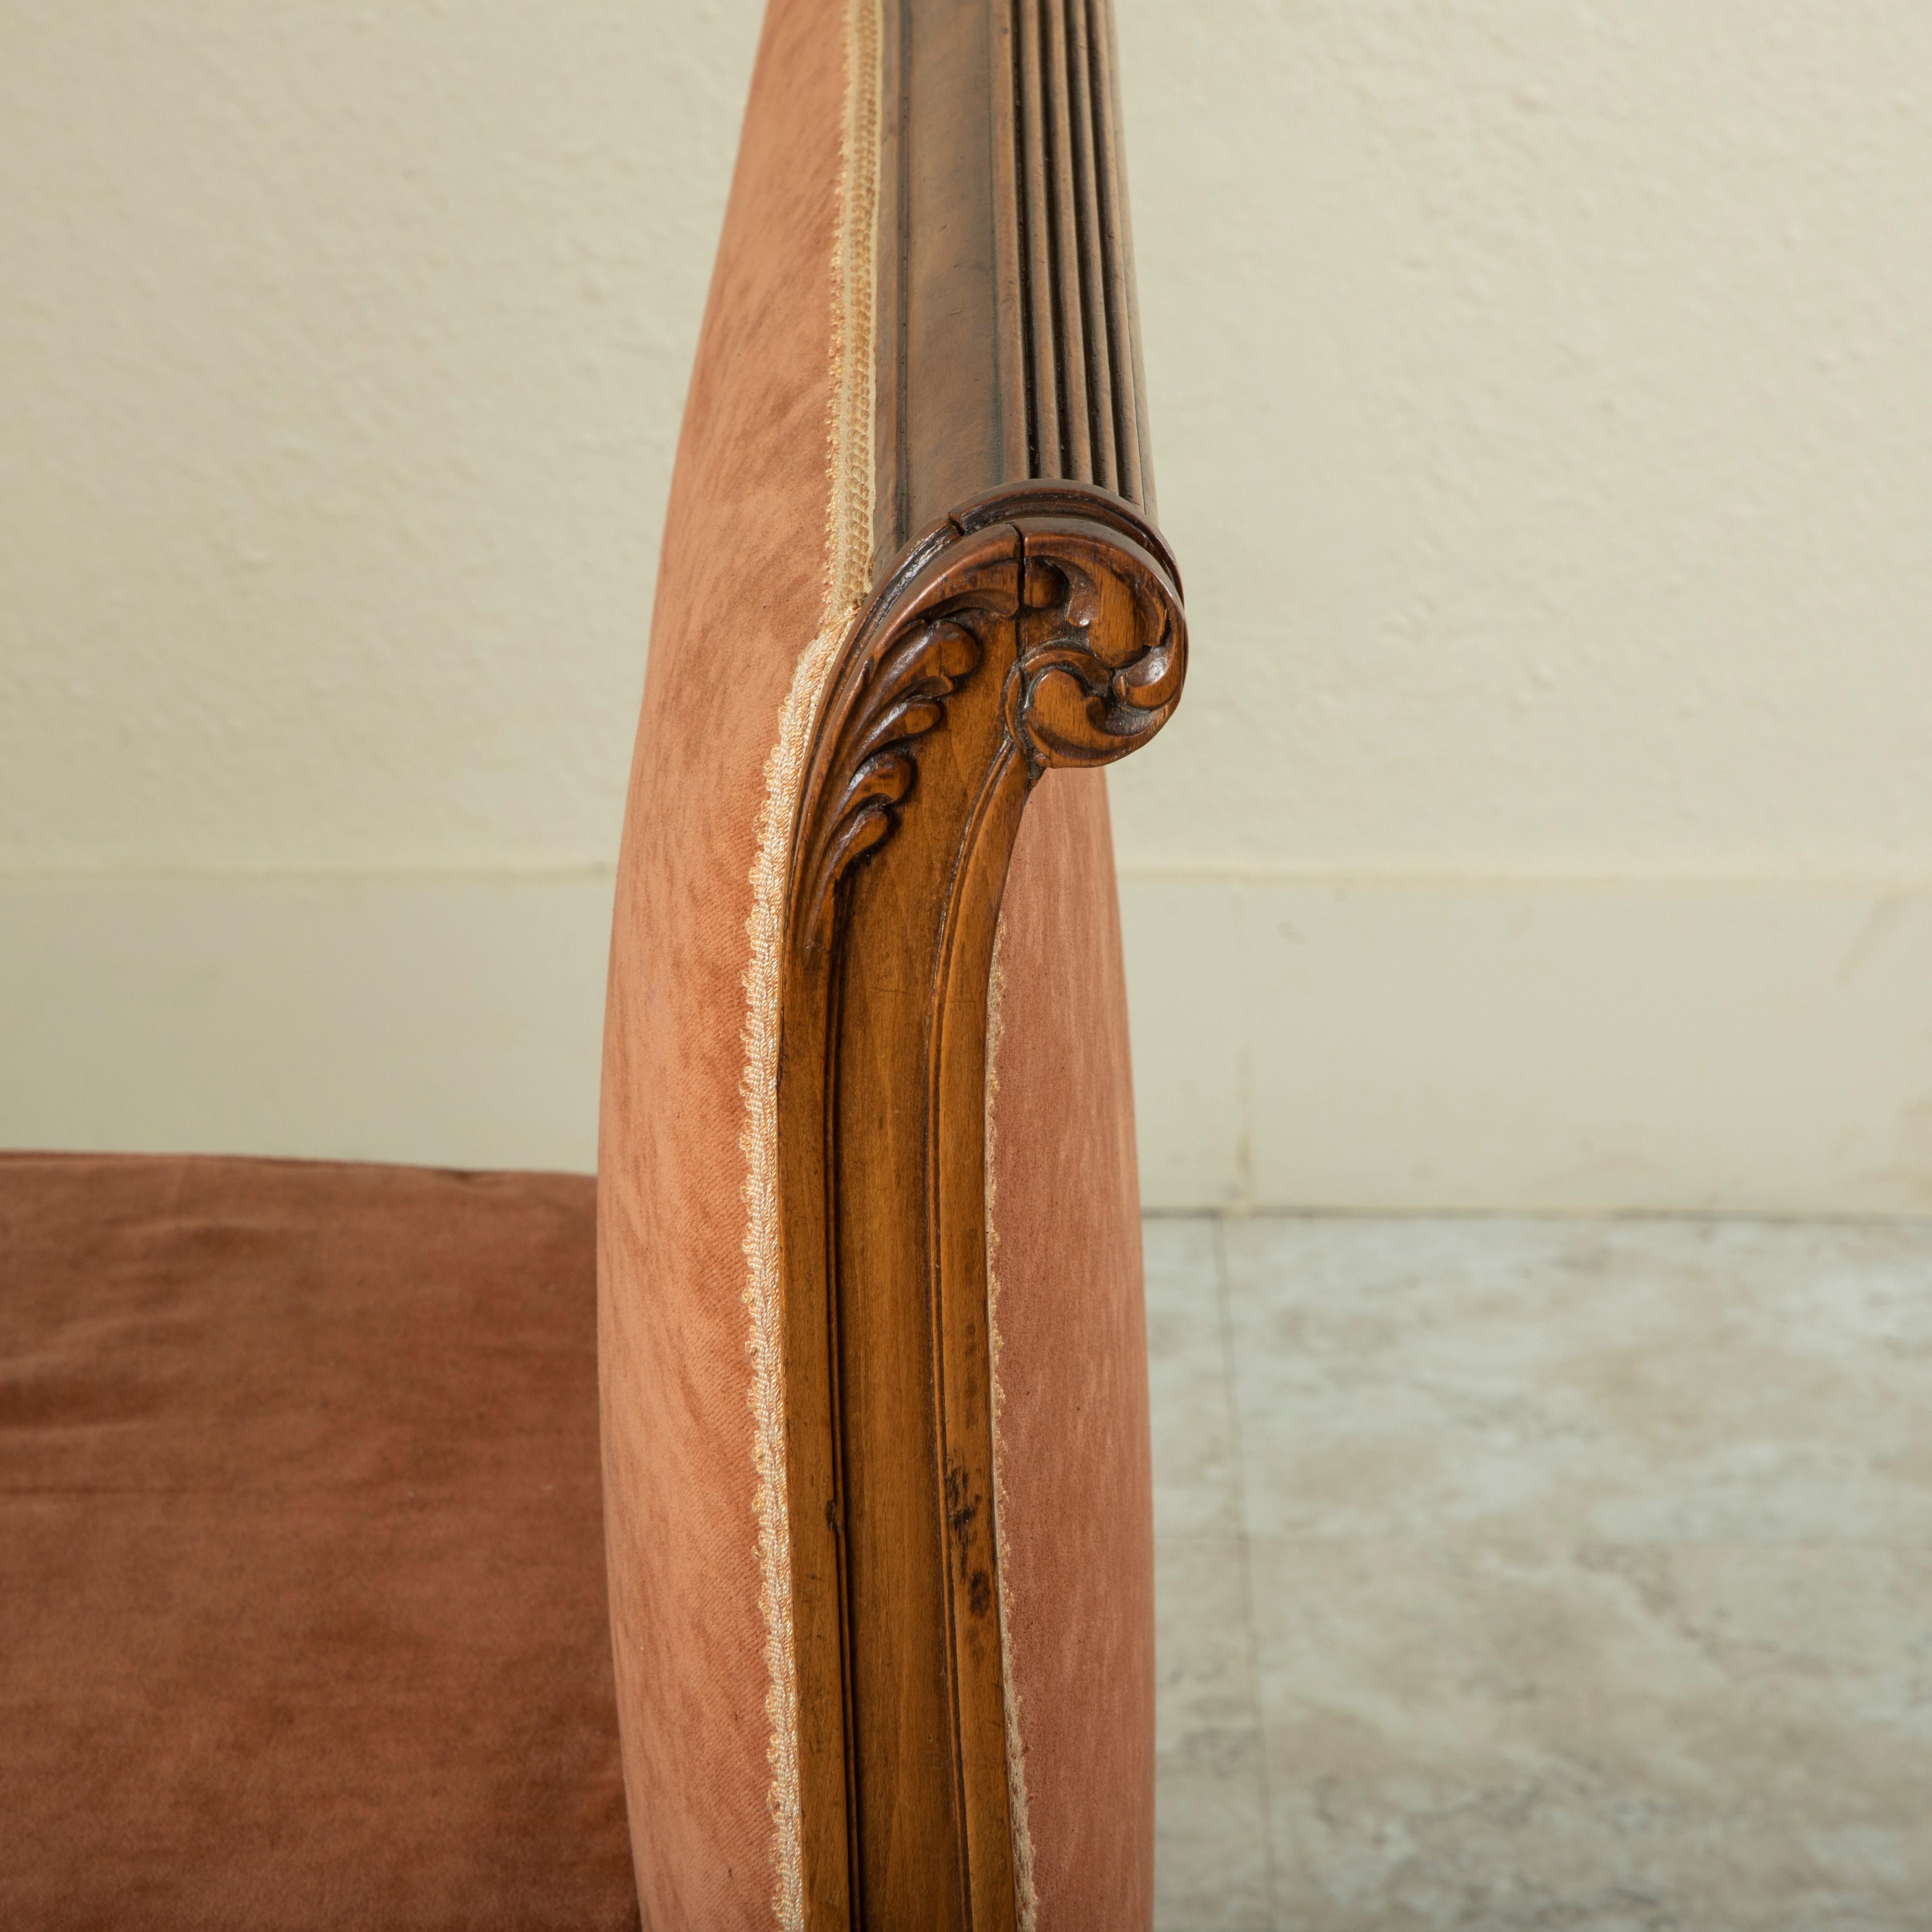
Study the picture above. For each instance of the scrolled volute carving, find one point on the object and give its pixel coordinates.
(1103, 646)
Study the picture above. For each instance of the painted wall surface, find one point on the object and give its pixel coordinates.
(1541, 414)
(342, 349)
(1543, 418)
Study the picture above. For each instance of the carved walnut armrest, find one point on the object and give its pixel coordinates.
(1036, 621)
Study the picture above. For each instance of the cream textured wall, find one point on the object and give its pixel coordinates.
(341, 353)
(1541, 414)
(1545, 418)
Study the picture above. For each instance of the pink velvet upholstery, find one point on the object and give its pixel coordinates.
(1073, 1427)
(739, 595)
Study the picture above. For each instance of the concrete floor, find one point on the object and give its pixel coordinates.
(1522, 1574)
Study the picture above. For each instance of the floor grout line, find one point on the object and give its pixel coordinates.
(1224, 1300)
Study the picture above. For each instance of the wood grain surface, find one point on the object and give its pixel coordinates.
(1035, 620)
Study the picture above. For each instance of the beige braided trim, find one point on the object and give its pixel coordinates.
(1016, 1786)
(848, 558)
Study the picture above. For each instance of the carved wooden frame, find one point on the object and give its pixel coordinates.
(1037, 621)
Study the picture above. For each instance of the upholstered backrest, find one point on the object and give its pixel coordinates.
(874, 1381)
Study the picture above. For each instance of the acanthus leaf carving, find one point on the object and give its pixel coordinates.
(915, 643)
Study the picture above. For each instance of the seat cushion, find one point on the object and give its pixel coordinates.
(303, 1616)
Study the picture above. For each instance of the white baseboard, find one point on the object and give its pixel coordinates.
(1364, 1047)
(1545, 1047)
